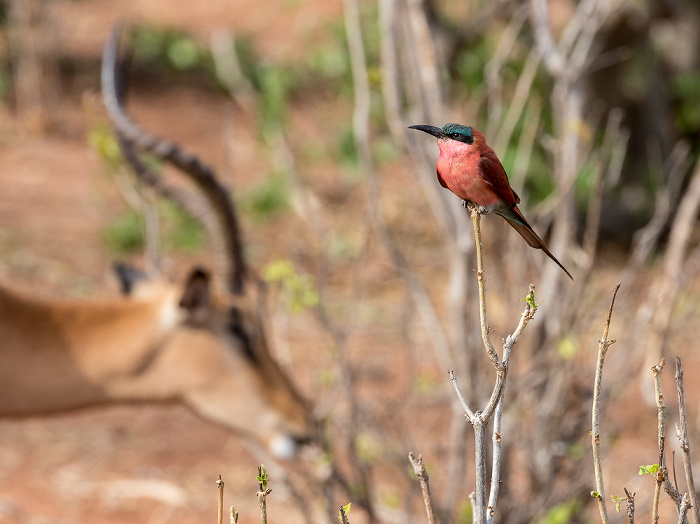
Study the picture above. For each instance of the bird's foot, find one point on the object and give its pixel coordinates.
(471, 206)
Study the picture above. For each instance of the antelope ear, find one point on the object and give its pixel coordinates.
(195, 298)
(128, 276)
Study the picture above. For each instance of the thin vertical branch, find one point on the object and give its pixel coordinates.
(603, 345)
(480, 466)
(661, 408)
(263, 492)
(220, 485)
(629, 502)
(685, 506)
(422, 474)
(685, 443)
(490, 351)
(495, 461)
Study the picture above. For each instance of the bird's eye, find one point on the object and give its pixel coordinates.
(455, 135)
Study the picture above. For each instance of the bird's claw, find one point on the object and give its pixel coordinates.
(466, 204)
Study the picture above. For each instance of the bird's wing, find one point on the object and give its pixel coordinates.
(494, 173)
(442, 182)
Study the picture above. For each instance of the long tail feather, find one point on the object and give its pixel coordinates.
(518, 222)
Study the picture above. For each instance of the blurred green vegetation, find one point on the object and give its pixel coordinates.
(562, 513)
(322, 72)
(686, 90)
(268, 198)
(299, 291)
(167, 50)
(124, 234)
(179, 232)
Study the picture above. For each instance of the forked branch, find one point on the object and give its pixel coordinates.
(494, 407)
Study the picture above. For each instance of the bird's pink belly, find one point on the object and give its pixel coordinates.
(473, 189)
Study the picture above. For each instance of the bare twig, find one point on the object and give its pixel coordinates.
(656, 370)
(685, 506)
(495, 462)
(460, 396)
(629, 502)
(263, 492)
(685, 443)
(603, 345)
(343, 517)
(220, 485)
(422, 474)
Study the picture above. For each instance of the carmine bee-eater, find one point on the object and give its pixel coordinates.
(469, 168)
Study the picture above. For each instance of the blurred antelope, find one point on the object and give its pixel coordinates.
(201, 344)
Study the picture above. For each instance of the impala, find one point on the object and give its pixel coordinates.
(202, 343)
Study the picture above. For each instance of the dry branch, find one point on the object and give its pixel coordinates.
(220, 513)
(629, 502)
(603, 345)
(422, 474)
(685, 444)
(263, 492)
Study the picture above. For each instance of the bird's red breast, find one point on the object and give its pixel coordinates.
(473, 172)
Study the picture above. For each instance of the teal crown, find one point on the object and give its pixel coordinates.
(458, 132)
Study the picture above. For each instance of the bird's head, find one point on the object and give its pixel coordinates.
(458, 132)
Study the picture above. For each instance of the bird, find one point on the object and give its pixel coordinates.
(470, 168)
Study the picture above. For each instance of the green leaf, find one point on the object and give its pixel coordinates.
(618, 501)
(595, 494)
(346, 508)
(651, 469)
(530, 300)
(262, 478)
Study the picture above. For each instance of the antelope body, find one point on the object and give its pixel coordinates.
(162, 344)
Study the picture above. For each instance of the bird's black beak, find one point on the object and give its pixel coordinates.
(431, 130)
